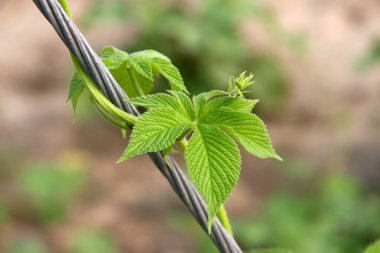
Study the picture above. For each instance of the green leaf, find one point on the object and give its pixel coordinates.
(154, 131)
(113, 58)
(135, 72)
(246, 128)
(373, 248)
(177, 100)
(200, 103)
(123, 78)
(186, 105)
(216, 93)
(213, 161)
(123, 68)
(142, 67)
(76, 88)
(163, 66)
(157, 100)
(170, 72)
(239, 104)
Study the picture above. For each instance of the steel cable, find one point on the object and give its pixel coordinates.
(94, 67)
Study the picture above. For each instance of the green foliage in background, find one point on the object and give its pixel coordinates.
(91, 241)
(27, 245)
(336, 216)
(371, 57)
(50, 187)
(205, 41)
(332, 215)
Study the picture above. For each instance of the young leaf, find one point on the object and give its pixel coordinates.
(154, 131)
(178, 101)
(239, 104)
(142, 67)
(246, 128)
(123, 68)
(76, 88)
(170, 72)
(373, 248)
(161, 65)
(155, 101)
(213, 161)
(186, 107)
(113, 58)
(200, 103)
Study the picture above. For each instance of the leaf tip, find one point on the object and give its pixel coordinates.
(277, 157)
(122, 158)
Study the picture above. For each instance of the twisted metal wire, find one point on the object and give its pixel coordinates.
(92, 64)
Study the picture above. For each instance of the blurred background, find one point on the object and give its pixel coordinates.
(317, 70)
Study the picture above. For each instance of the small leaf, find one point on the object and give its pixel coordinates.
(163, 66)
(149, 55)
(122, 66)
(154, 131)
(246, 128)
(200, 103)
(187, 107)
(123, 78)
(155, 101)
(237, 104)
(170, 72)
(178, 101)
(215, 93)
(213, 161)
(142, 67)
(76, 88)
(113, 58)
(373, 248)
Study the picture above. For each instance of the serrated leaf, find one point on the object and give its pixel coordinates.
(170, 72)
(200, 103)
(187, 107)
(123, 78)
(215, 93)
(149, 55)
(155, 101)
(123, 68)
(76, 88)
(154, 131)
(142, 67)
(246, 128)
(239, 104)
(177, 100)
(163, 66)
(373, 248)
(213, 161)
(113, 58)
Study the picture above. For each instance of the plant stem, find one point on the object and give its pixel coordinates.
(135, 83)
(223, 217)
(101, 100)
(106, 115)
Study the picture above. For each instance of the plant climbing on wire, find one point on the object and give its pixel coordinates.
(215, 120)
